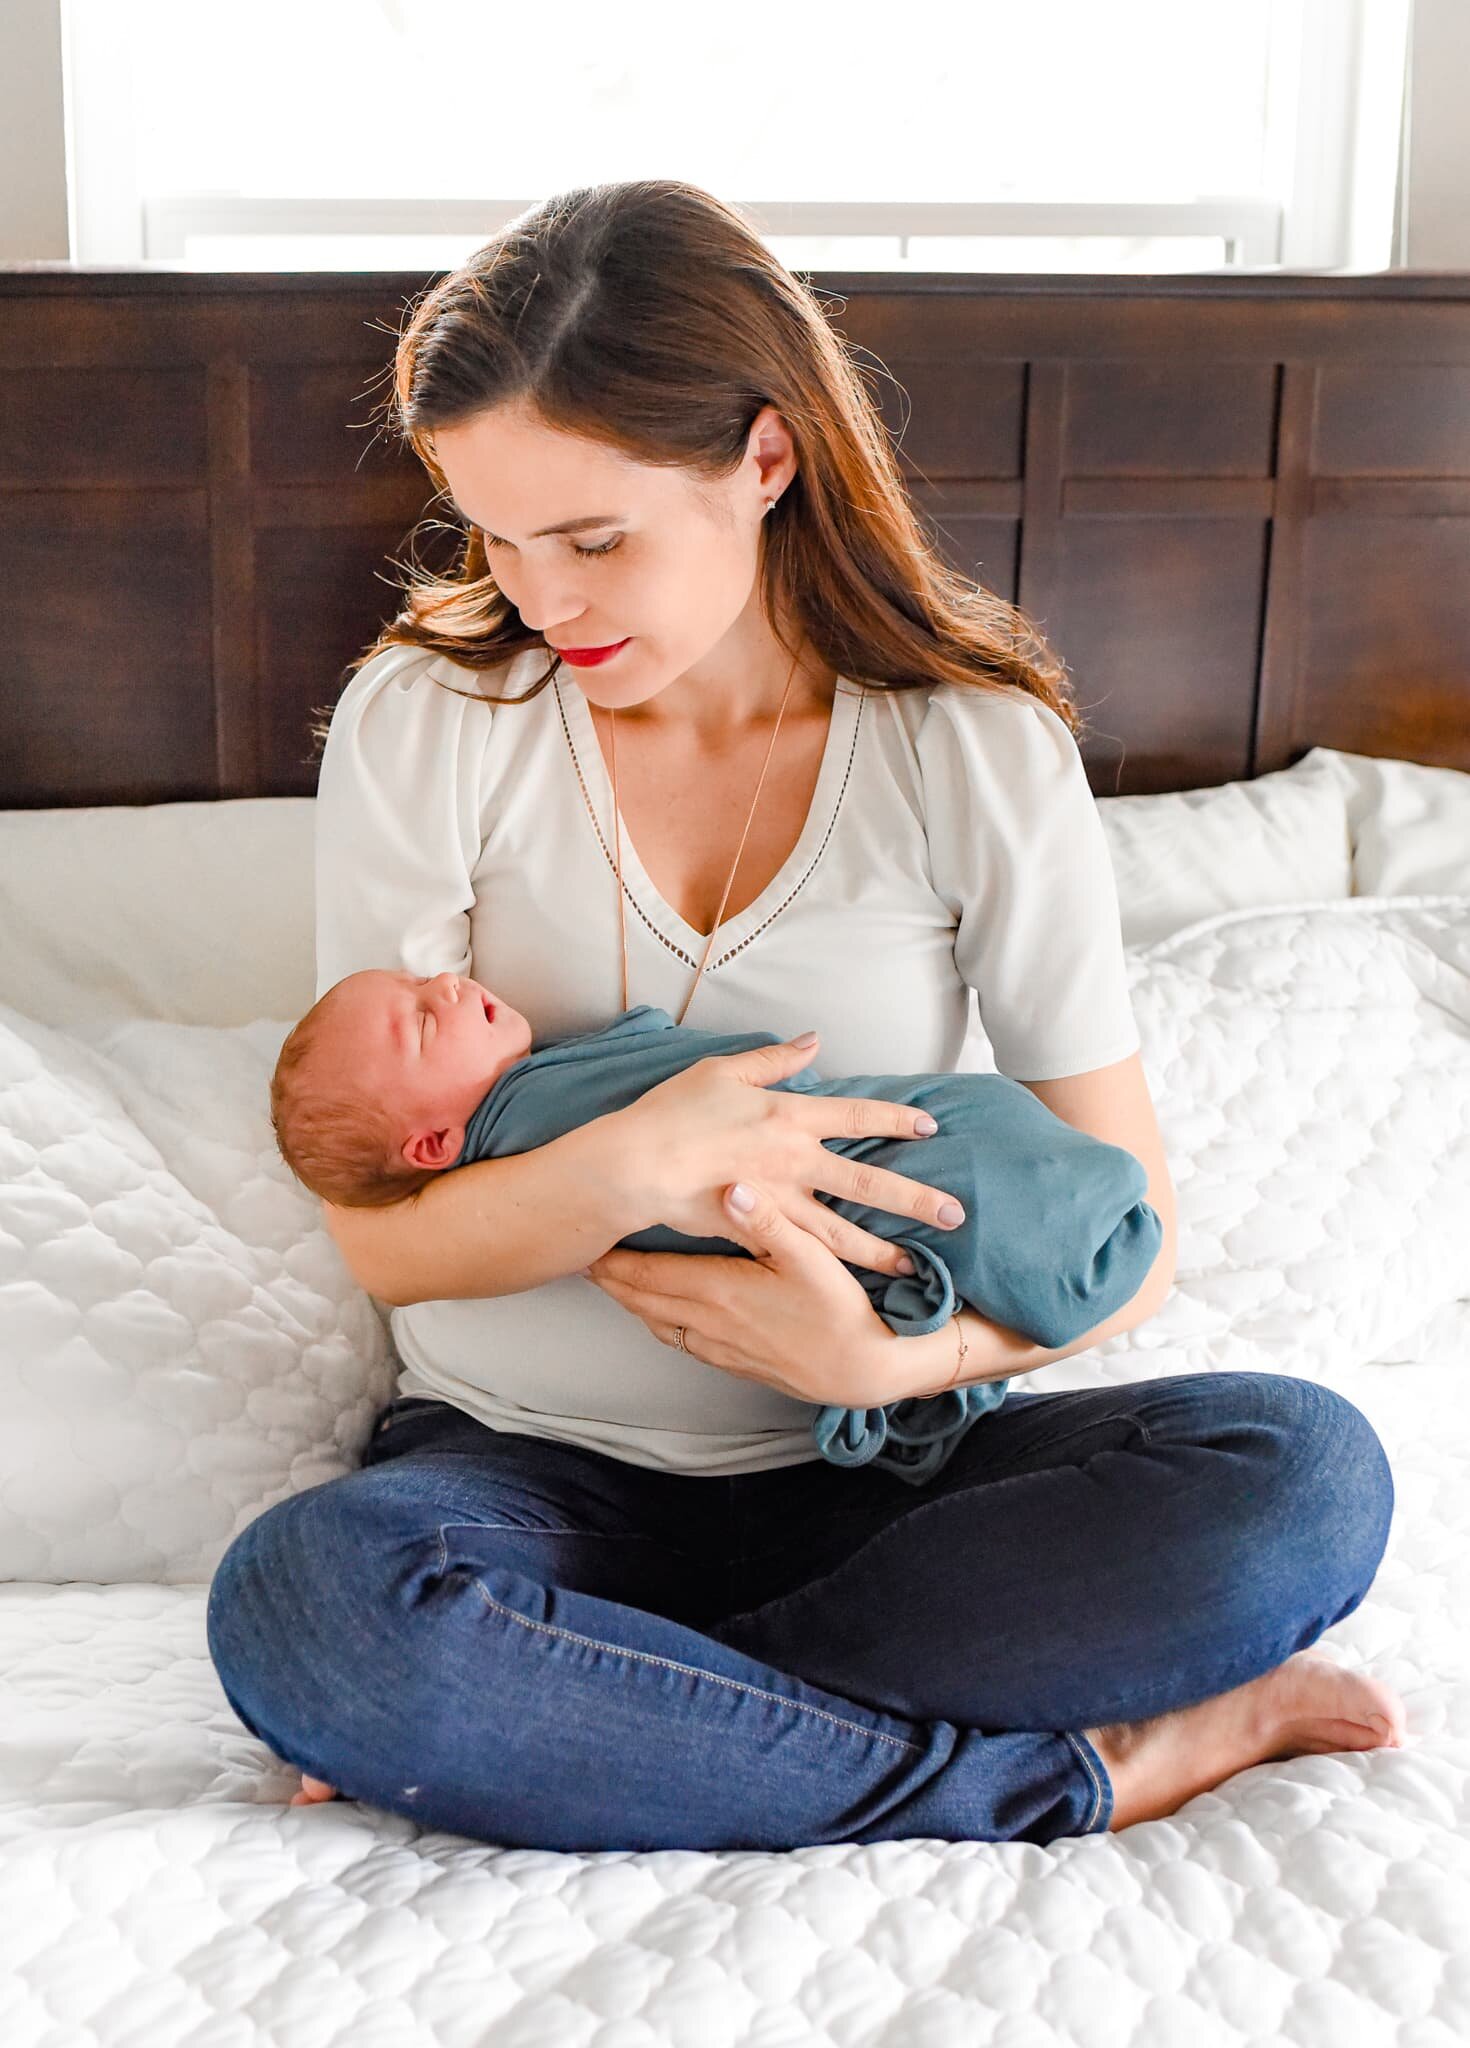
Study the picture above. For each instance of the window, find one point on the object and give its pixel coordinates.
(1057, 135)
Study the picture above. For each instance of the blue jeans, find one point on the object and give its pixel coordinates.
(541, 1646)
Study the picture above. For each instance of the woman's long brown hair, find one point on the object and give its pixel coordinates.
(649, 316)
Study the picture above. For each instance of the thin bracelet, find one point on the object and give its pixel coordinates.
(964, 1347)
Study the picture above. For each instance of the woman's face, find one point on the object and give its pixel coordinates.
(674, 575)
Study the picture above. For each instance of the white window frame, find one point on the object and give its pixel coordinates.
(1332, 123)
(1250, 228)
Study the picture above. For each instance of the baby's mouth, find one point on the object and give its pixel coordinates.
(489, 1009)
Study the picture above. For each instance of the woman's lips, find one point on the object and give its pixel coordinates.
(588, 657)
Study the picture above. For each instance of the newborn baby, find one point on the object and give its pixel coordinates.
(391, 1078)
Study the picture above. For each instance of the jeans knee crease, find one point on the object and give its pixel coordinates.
(670, 1664)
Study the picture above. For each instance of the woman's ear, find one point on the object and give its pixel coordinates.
(434, 1149)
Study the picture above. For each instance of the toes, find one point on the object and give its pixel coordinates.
(1369, 1733)
(312, 1790)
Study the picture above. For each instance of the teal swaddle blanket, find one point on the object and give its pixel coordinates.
(1057, 1233)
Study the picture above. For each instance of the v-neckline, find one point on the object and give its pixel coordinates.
(734, 931)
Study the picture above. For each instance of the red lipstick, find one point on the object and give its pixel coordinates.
(589, 657)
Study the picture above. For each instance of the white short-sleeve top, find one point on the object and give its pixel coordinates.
(952, 845)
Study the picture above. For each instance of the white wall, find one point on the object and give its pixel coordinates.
(33, 199)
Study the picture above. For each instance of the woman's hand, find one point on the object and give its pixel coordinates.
(719, 1121)
(792, 1315)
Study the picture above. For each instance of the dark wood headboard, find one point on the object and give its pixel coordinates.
(1237, 506)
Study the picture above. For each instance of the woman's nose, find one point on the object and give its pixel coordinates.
(557, 622)
(556, 617)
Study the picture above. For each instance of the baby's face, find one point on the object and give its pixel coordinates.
(428, 1048)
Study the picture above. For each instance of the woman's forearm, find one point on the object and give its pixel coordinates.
(910, 1368)
(498, 1226)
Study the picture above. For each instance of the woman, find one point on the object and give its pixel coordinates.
(593, 1588)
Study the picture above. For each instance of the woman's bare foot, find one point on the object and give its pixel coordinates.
(1305, 1707)
(312, 1789)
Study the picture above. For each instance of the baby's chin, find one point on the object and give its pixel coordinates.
(494, 1068)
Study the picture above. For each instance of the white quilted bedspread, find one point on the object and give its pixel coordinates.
(180, 1345)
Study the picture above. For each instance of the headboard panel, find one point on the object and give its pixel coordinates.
(1238, 506)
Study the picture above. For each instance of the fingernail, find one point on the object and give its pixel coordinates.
(905, 1264)
(926, 1124)
(741, 1197)
(951, 1212)
(806, 1038)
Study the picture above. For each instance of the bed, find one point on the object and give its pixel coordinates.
(1241, 509)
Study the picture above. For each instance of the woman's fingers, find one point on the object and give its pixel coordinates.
(668, 1284)
(760, 1065)
(845, 1240)
(857, 1246)
(874, 1187)
(865, 1116)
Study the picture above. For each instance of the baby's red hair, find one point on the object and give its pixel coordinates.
(339, 1142)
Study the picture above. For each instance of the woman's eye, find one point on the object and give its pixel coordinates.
(605, 548)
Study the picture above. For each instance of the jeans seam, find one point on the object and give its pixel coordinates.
(670, 1664)
(1096, 1782)
(571, 1529)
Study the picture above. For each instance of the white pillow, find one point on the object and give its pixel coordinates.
(1182, 855)
(181, 1343)
(200, 913)
(1410, 824)
(1331, 825)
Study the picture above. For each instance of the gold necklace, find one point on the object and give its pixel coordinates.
(618, 837)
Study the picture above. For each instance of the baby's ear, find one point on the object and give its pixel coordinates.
(434, 1149)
